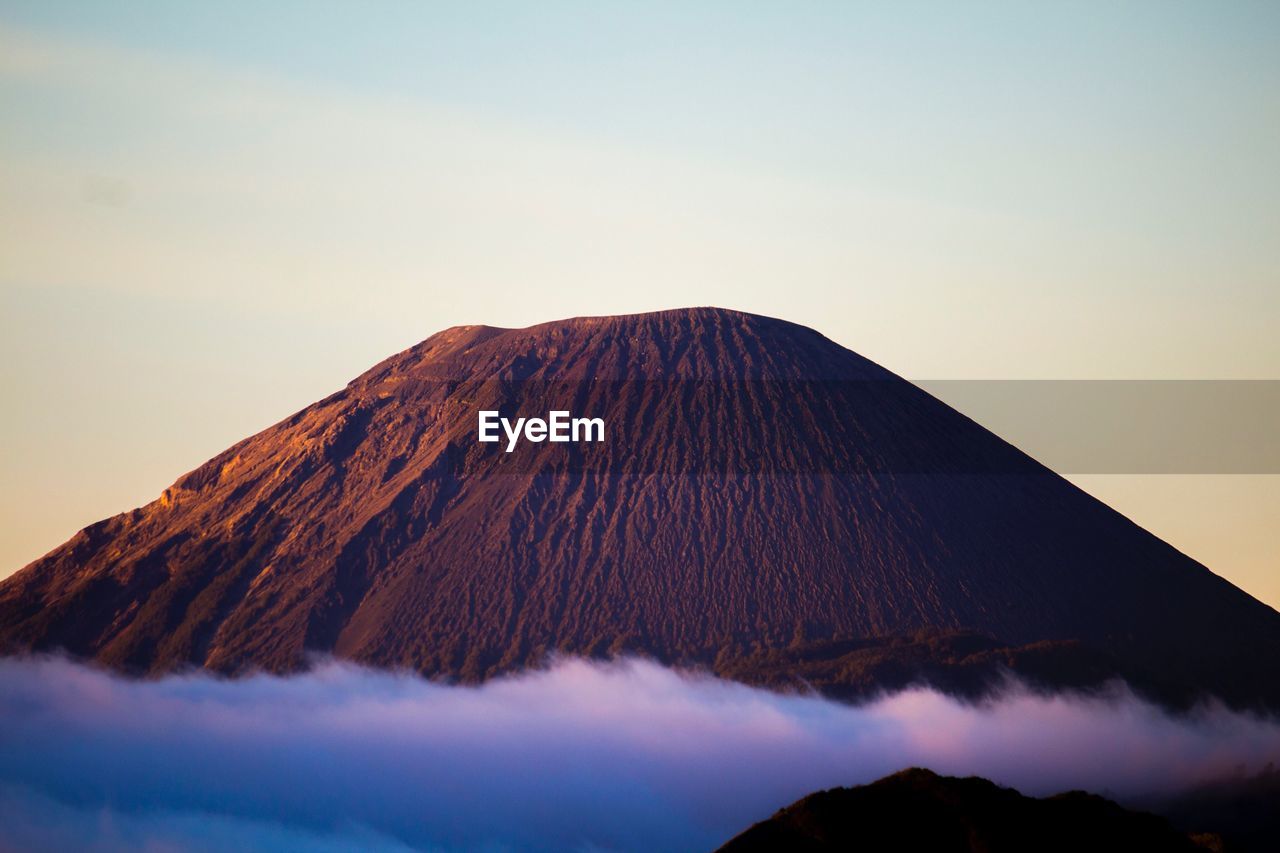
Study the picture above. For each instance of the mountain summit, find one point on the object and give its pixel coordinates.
(764, 502)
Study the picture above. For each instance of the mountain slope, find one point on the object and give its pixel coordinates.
(760, 491)
(919, 810)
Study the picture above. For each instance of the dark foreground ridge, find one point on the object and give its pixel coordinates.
(919, 810)
(754, 510)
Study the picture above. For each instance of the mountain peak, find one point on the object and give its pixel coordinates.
(683, 343)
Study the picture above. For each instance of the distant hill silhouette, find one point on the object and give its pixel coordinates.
(766, 503)
(919, 810)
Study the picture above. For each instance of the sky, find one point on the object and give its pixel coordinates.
(212, 215)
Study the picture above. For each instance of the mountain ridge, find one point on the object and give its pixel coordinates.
(916, 809)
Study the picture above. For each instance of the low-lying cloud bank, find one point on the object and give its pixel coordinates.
(627, 756)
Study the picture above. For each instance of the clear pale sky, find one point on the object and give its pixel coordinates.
(213, 214)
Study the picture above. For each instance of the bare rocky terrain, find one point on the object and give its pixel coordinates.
(765, 504)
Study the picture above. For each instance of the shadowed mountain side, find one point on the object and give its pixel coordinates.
(763, 499)
(919, 810)
(1244, 811)
(965, 665)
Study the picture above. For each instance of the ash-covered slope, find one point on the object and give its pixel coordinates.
(765, 502)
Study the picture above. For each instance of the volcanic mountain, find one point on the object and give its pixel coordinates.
(765, 503)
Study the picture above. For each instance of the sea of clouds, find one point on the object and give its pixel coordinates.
(582, 756)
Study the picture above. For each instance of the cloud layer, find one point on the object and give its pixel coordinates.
(627, 756)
